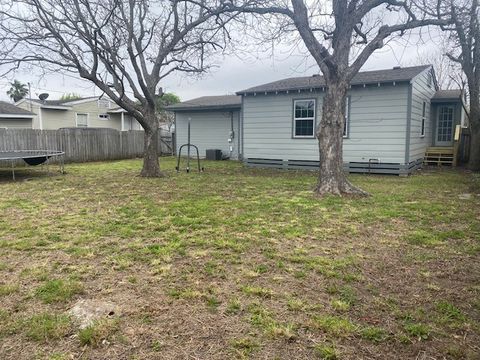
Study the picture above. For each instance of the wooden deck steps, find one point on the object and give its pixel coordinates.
(439, 156)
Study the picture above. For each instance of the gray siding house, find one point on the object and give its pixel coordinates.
(92, 112)
(13, 117)
(214, 124)
(393, 117)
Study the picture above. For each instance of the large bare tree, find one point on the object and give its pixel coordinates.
(464, 36)
(340, 35)
(125, 47)
(448, 74)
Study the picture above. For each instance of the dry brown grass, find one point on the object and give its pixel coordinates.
(239, 263)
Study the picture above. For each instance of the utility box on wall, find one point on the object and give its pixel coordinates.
(214, 154)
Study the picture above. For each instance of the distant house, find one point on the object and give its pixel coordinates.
(393, 118)
(14, 117)
(92, 112)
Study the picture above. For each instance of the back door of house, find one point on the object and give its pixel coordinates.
(445, 121)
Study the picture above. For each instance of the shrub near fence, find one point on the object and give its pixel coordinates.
(83, 144)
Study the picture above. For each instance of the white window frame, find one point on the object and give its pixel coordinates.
(106, 118)
(346, 124)
(307, 118)
(101, 106)
(424, 119)
(76, 120)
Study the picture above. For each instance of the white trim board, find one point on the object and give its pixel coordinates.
(16, 116)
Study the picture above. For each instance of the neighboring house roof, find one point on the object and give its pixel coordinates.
(8, 110)
(445, 95)
(397, 74)
(60, 104)
(209, 103)
(117, 110)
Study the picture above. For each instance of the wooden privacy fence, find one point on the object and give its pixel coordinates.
(83, 144)
(464, 146)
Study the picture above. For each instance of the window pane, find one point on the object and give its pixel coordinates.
(311, 109)
(304, 109)
(303, 127)
(445, 124)
(82, 120)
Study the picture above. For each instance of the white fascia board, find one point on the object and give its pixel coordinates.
(16, 116)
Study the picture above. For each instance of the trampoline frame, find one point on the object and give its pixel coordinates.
(34, 154)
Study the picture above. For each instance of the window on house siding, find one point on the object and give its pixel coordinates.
(82, 120)
(346, 123)
(304, 118)
(424, 112)
(103, 116)
(104, 103)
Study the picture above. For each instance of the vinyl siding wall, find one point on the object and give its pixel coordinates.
(53, 119)
(34, 108)
(208, 130)
(91, 108)
(377, 126)
(15, 123)
(421, 92)
(130, 123)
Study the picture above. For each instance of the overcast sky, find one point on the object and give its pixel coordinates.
(231, 75)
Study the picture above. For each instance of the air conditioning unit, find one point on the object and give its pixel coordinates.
(213, 154)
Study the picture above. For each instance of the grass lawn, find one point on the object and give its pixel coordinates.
(239, 263)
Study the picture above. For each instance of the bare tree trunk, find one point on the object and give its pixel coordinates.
(474, 120)
(474, 159)
(151, 165)
(332, 178)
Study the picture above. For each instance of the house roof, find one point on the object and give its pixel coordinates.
(61, 104)
(209, 103)
(397, 74)
(10, 110)
(444, 95)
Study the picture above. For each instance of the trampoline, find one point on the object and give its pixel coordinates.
(32, 158)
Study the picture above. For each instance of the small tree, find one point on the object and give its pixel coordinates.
(17, 91)
(340, 35)
(126, 48)
(70, 96)
(166, 117)
(464, 41)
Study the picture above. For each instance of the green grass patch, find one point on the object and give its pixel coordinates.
(374, 334)
(46, 326)
(423, 238)
(326, 352)
(449, 313)
(8, 289)
(94, 334)
(417, 331)
(58, 290)
(257, 291)
(245, 346)
(335, 325)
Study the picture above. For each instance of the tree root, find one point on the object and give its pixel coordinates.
(156, 174)
(339, 188)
